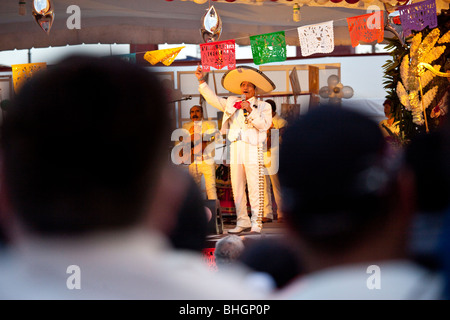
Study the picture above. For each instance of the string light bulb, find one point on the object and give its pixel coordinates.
(22, 8)
(296, 12)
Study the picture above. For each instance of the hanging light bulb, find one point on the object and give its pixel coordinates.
(22, 8)
(296, 12)
(211, 25)
(43, 14)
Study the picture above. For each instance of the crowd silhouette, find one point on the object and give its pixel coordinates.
(90, 208)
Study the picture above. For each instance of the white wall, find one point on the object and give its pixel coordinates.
(363, 73)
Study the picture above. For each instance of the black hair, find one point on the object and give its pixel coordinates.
(198, 106)
(80, 146)
(272, 104)
(333, 175)
(191, 229)
(425, 156)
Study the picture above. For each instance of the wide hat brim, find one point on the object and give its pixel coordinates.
(232, 80)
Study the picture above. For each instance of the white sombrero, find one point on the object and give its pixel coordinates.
(232, 80)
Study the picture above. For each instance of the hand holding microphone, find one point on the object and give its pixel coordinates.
(244, 98)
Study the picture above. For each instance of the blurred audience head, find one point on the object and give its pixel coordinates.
(425, 156)
(81, 150)
(339, 181)
(276, 257)
(444, 240)
(191, 228)
(228, 250)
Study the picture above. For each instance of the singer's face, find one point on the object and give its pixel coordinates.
(248, 89)
(196, 113)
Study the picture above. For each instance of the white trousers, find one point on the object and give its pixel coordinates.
(244, 170)
(271, 182)
(272, 186)
(199, 169)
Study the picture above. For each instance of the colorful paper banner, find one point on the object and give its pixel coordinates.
(166, 56)
(367, 28)
(218, 55)
(269, 47)
(417, 16)
(23, 72)
(318, 38)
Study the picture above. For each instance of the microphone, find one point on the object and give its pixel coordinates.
(182, 99)
(244, 98)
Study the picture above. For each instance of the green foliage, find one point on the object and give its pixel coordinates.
(392, 76)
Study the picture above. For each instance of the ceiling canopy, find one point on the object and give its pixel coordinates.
(173, 21)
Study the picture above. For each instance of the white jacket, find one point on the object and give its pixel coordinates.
(259, 120)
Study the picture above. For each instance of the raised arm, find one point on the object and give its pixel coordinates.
(200, 74)
(207, 93)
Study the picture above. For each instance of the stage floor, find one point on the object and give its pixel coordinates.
(272, 229)
(269, 229)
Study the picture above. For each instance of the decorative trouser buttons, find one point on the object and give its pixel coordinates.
(260, 184)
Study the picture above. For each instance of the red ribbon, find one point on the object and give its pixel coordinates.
(238, 105)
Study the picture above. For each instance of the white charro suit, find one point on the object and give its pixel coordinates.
(204, 165)
(271, 159)
(245, 139)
